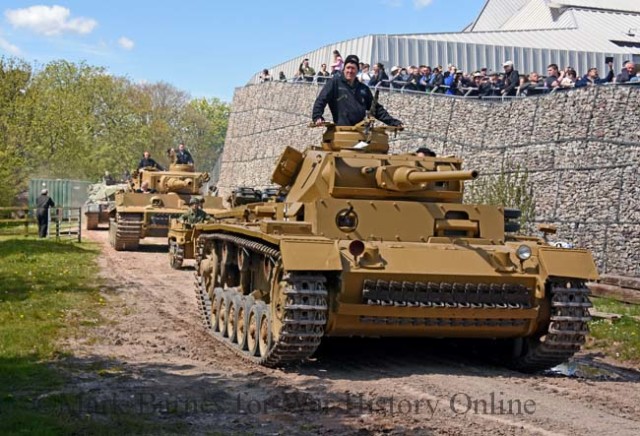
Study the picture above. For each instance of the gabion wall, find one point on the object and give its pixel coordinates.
(581, 148)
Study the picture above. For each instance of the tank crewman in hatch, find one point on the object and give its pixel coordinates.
(349, 99)
(183, 156)
(148, 162)
(195, 214)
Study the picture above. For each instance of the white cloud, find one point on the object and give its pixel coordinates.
(126, 43)
(419, 4)
(49, 20)
(8, 47)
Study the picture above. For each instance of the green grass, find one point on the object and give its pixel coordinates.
(619, 339)
(49, 290)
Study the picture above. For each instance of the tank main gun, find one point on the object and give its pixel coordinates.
(175, 184)
(407, 178)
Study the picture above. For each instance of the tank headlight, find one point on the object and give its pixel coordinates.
(356, 248)
(523, 252)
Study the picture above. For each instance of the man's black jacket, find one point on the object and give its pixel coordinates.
(184, 157)
(145, 163)
(348, 104)
(44, 202)
(511, 82)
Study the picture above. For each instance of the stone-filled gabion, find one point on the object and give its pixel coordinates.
(581, 148)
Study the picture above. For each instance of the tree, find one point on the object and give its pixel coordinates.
(75, 121)
(204, 124)
(14, 81)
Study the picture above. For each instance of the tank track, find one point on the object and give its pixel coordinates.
(176, 255)
(304, 312)
(125, 231)
(566, 333)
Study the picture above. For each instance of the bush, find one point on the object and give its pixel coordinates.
(509, 188)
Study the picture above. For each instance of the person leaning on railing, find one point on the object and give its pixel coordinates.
(379, 76)
(511, 79)
(323, 74)
(592, 77)
(627, 73)
(43, 203)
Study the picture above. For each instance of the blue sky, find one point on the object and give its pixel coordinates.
(207, 47)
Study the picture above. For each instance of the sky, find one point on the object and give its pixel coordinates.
(207, 47)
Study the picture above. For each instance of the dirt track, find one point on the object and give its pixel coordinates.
(155, 359)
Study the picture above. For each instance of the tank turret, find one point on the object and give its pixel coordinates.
(353, 162)
(181, 179)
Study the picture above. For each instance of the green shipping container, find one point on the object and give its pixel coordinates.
(65, 193)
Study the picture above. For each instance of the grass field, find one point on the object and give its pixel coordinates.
(619, 339)
(48, 291)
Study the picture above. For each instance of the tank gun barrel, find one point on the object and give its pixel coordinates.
(176, 183)
(416, 177)
(407, 178)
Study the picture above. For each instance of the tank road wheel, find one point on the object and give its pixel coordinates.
(253, 328)
(176, 255)
(278, 303)
(243, 321)
(235, 302)
(264, 338)
(216, 308)
(566, 333)
(224, 313)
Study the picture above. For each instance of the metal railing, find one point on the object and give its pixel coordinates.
(392, 86)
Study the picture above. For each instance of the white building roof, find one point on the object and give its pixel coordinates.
(532, 33)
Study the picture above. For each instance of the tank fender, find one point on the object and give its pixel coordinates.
(558, 262)
(310, 255)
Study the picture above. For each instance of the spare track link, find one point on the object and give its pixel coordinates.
(128, 228)
(567, 330)
(305, 310)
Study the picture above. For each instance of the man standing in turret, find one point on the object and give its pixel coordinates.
(183, 156)
(43, 203)
(148, 162)
(349, 99)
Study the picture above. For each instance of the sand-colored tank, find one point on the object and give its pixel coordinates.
(152, 199)
(368, 244)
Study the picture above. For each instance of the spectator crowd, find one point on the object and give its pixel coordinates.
(453, 81)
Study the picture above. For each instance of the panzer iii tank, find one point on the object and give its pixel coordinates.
(151, 200)
(370, 244)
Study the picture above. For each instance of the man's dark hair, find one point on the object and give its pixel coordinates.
(426, 151)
